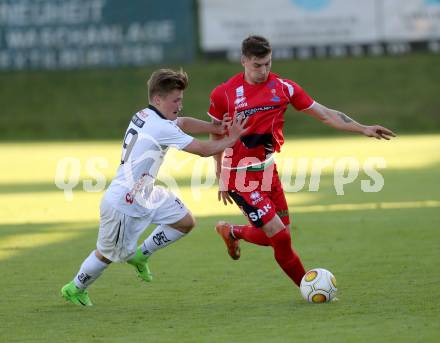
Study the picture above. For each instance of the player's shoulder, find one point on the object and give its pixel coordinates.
(236, 79)
(288, 85)
(139, 118)
(282, 80)
(230, 83)
(148, 121)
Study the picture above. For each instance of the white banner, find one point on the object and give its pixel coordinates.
(225, 23)
(411, 20)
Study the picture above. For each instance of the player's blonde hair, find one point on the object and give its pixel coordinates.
(164, 81)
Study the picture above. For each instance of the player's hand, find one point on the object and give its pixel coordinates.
(226, 123)
(378, 132)
(224, 195)
(237, 128)
(221, 127)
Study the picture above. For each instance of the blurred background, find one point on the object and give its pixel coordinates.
(73, 72)
(77, 69)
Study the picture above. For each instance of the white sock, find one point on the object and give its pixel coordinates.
(162, 236)
(90, 270)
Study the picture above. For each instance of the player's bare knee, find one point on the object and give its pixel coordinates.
(189, 224)
(186, 224)
(101, 257)
(274, 226)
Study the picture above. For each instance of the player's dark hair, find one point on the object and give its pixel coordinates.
(164, 81)
(255, 46)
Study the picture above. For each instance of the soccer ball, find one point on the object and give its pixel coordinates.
(318, 286)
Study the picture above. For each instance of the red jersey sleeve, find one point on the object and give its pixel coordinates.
(218, 103)
(298, 96)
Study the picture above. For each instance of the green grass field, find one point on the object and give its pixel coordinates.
(382, 247)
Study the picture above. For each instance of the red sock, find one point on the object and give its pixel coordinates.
(250, 234)
(286, 257)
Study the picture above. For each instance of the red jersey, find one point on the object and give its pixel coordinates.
(265, 105)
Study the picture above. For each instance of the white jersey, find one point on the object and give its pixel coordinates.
(145, 144)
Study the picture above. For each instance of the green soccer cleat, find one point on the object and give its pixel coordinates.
(139, 261)
(75, 295)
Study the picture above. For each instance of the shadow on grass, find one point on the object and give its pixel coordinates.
(35, 187)
(195, 278)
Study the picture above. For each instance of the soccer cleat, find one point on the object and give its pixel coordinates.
(139, 262)
(75, 295)
(233, 245)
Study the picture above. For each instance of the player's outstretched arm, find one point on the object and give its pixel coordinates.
(213, 147)
(341, 121)
(218, 160)
(195, 126)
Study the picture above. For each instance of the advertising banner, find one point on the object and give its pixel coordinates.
(224, 23)
(321, 28)
(411, 20)
(54, 34)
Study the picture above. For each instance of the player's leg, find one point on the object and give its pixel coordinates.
(278, 231)
(284, 254)
(231, 233)
(251, 233)
(91, 268)
(133, 255)
(98, 260)
(174, 220)
(165, 234)
(162, 236)
(253, 205)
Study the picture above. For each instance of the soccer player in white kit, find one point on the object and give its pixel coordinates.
(132, 202)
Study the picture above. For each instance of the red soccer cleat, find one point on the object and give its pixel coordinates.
(233, 245)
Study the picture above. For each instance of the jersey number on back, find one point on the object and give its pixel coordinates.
(129, 140)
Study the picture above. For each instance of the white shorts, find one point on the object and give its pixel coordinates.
(119, 233)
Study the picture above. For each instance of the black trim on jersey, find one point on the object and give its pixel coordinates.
(119, 231)
(257, 139)
(247, 208)
(151, 107)
(137, 121)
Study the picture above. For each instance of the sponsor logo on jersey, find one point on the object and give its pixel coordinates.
(240, 99)
(251, 111)
(241, 105)
(145, 180)
(256, 197)
(129, 198)
(143, 114)
(137, 121)
(275, 97)
(260, 213)
(239, 92)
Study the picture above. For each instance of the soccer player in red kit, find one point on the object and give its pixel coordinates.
(247, 173)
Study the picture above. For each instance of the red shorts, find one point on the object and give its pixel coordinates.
(264, 200)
